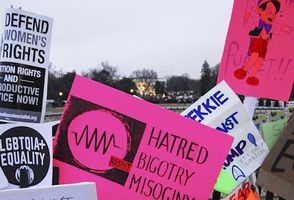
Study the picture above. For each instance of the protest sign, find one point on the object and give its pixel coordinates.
(26, 147)
(221, 109)
(135, 148)
(272, 131)
(80, 191)
(276, 173)
(246, 191)
(24, 62)
(258, 55)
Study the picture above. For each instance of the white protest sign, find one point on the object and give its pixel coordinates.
(79, 191)
(24, 61)
(221, 109)
(26, 146)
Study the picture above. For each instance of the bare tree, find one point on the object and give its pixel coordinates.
(107, 75)
(146, 77)
(179, 83)
(113, 72)
(59, 83)
(159, 87)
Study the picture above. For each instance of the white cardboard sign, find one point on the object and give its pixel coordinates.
(24, 62)
(26, 146)
(221, 109)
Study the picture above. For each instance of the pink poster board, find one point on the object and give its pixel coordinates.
(258, 58)
(133, 149)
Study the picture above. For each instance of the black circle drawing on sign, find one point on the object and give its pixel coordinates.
(24, 148)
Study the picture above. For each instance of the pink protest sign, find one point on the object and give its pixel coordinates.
(133, 149)
(259, 50)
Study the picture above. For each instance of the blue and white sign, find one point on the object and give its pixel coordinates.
(221, 109)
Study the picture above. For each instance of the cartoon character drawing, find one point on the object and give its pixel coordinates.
(260, 37)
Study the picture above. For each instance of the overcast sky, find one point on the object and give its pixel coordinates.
(172, 37)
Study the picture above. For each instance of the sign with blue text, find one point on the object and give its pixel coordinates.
(221, 109)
